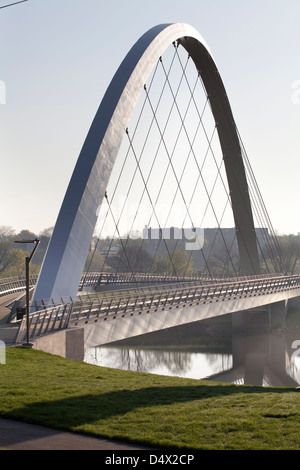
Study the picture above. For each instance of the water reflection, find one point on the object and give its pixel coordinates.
(264, 358)
(261, 359)
(175, 363)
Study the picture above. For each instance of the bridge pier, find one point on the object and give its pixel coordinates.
(67, 343)
(259, 357)
(261, 319)
(250, 354)
(277, 314)
(256, 319)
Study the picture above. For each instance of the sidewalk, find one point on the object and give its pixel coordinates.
(4, 311)
(15, 435)
(8, 332)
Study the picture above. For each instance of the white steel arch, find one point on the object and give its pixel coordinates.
(67, 251)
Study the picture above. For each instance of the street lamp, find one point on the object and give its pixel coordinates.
(27, 261)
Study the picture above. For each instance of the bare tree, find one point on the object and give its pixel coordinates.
(290, 247)
(9, 257)
(131, 259)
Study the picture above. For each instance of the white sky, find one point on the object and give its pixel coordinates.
(57, 58)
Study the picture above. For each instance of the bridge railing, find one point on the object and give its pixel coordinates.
(18, 283)
(142, 283)
(96, 279)
(44, 322)
(112, 307)
(15, 284)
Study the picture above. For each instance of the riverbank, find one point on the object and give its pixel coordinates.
(149, 410)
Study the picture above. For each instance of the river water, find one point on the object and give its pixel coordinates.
(210, 349)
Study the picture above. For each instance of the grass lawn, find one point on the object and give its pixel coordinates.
(153, 410)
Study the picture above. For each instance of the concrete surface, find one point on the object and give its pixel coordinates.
(8, 332)
(15, 435)
(4, 311)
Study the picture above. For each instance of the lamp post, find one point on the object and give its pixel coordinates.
(27, 261)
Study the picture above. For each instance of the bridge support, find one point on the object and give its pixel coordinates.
(66, 343)
(261, 319)
(68, 248)
(258, 358)
(252, 356)
(257, 319)
(277, 314)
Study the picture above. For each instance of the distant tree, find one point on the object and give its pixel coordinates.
(25, 235)
(6, 233)
(44, 237)
(96, 263)
(131, 259)
(7, 254)
(47, 232)
(17, 265)
(179, 263)
(224, 264)
(159, 265)
(289, 261)
(290, 247)
(8, 258)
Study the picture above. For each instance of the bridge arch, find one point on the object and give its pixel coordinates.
(67, 251)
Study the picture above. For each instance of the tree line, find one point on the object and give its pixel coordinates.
(132, 258)
(123, 257)
(12, 255)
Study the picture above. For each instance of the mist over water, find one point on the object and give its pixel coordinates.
(212, 350)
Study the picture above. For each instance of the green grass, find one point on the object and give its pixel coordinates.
(153, 410)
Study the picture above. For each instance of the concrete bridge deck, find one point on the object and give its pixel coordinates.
(70, 329)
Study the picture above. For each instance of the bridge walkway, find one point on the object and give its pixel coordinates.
(8, 331)
(111, 318)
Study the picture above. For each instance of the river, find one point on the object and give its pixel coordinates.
(210, 349)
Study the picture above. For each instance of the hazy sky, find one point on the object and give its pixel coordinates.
(58, 56)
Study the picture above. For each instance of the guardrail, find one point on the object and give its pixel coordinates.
(15, 284)
(84, 311)
(18, 283)
(97, 279)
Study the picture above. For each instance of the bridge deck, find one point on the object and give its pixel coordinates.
(167, 308)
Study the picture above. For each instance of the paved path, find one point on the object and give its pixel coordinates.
(4, 300)
(21, 436)
(7, 332)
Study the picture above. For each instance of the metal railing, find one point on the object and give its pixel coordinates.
(18, 283)
(105, 308)
(15, 284)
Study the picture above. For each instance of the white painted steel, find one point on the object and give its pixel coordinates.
(67, 251)
(64, 261)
